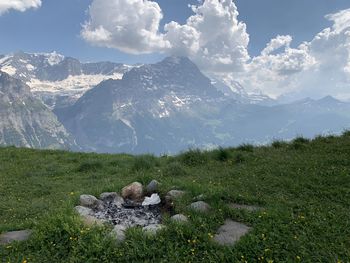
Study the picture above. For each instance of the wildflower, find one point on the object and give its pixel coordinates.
(71, 193)
(298, 258)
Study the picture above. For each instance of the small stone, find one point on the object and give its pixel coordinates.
(201, 197)
(200, 206)
(9, 237)
(89, 220)
(89, 201)
(113, 198)
(230, 232)
(153, 229)
(133, 192)
(153, 200)
(179, 218)
(108, 196)
(175, 194)
(118, 233)
(250, 208)
(84, 211)
(152, 187)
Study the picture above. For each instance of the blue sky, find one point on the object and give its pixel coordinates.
(57, 24)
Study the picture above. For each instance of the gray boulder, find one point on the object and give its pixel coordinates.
(230, 232)
(179, 218)
(153, 229)
(90, 201)
(113, 198)
(118, 233)
(84, 211)
(9, 237)
(200, 206)
(152, 187)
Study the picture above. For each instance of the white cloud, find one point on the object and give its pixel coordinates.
(131, 26)
(317, 68)
(217, 42)
(19, 5)
(213, 37)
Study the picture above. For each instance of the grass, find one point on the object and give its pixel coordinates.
(303, 185)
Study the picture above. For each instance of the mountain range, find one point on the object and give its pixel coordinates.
(157, 108)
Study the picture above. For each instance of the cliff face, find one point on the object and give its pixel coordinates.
(26, 121)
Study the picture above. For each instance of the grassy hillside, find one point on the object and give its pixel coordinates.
(304, 186)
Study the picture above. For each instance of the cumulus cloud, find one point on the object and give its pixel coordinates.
(131, 26)
(217, 42)
(212, 37)
(317, 68)
(19, 5)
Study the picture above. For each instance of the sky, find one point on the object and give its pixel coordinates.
(281, 48)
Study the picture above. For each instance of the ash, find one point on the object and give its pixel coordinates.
(130, 214)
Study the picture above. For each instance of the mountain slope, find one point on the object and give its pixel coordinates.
(26, 121)
(170, 106)
(57, 80)
(153, 108)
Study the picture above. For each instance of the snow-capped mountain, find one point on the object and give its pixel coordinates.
(165, 107)
(170, 106)
(26, 121)
(59, 81)
(152, 108)
(233, 89)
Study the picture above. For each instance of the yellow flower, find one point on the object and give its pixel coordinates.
(71, 193)
(298, 258)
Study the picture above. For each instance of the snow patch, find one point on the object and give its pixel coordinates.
(9, 70)
(30, 67)
(72, 85)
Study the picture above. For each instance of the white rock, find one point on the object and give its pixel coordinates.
(153, 200)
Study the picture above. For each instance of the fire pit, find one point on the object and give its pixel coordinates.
(130, 214)
(131, 208)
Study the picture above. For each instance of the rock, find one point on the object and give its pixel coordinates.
(133, 191)
(175, 194)
(250, 208)
(9, 237)
(179, 218)
(89, 201)
(200, 206)
(153, 200)
(87, 216)
(230, 232)
(108, 196)
(84, 211)
(201, 197)
(152, 187)
(118, 233)
(153, 229)
(113, 198)
(89, 220)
